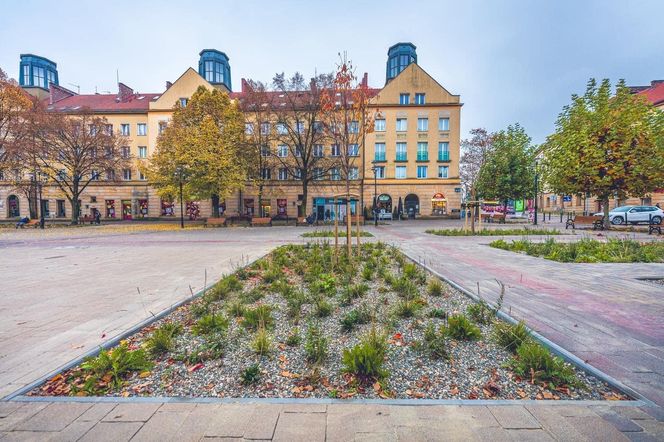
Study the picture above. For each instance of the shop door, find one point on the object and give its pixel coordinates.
(126, 209)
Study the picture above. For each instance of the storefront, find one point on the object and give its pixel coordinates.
(282, 208)
(384, 203)
(142, 209)
(324, 208)
(193, 210)
(13, 207)
(439, 204)
(249, 206)
(266, 208)
(110, 208)
(126, 210)
(167, 208)
(412, 204)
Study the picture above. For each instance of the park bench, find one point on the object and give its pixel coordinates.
(221, 221)
(652, 227)
(596, 221)
(493, 217)
(261, 221)
(32, 223)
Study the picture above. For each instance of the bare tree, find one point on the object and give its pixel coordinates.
(73, 151)
(299, 134)
(474, 154)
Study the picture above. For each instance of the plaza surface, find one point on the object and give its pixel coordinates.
(65, 291)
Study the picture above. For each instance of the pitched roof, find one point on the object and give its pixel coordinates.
(654, 94)
(108, 103)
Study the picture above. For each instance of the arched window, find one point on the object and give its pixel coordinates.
(13, 210)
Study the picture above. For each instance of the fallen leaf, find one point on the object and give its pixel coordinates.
(195, 367)
(409, 392)
(376, 386)
(144, 374)
(454, 391)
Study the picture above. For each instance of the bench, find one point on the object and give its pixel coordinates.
(261, 221)
(493, 217)
(221, 221)
(652, 227)
(596, 221)
(32, 223)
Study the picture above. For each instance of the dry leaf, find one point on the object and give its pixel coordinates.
(376, 386)
(144, 374)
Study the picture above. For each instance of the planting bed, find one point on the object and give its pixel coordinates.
(304, 323)
(525, 231)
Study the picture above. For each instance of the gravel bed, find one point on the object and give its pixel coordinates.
(474, 370)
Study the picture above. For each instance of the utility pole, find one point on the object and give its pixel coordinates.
(536, 191)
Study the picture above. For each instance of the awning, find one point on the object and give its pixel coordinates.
(438, 200)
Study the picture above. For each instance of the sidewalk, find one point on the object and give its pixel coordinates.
(183, 422)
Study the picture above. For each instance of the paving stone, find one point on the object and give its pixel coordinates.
(375, 437)
(112, 432)
(634, 413)
(344, 421)
(162, 425)
(653, 427)
(305, 408)
(622, 423)
(306, 427)
(596, 428)
(642, 437)
(229, 421)
(513, 416)
(194, 426)
(20, 414)
(525, 435)
(131, 412)
(491, 434)
(97, 412)
(74, 431)
(25, 436)
(263, 422)
(55, 417)
(575, 411)
(177, 407)
(656, 412)
(7, 408)
(551, 420)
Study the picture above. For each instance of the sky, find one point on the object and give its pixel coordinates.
(511, 61)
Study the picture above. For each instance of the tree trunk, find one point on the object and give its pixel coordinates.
(74, 203)
(305, 193)
(605, 209)
(215, 206)
(349, 220)
(473, 197)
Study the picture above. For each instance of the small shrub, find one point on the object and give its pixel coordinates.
(173, 328)
(532, 361)
(437, 313)
(480, 312)
(355, 317)
(159, 342)
(367, 273)
(366, 359)
(293, 339)
(116, 364)
(435, 287)
(315, 345)
(273, 274)
(405, 288)
(510, 336)
(412, 272)
(210, 324)
(352, 292)
(236, 309)
(250, 375)
(262, 343)
(323, 308)
(435, 344)
(224, 287)
(459, 327)
(259, 316)
(201, 308)
(407, 308)
(326, 284)
(253, 295)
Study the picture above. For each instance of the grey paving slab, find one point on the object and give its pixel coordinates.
(112, 432)
(196, 423)
(262, 422)
(555, 424)
(229, 421)
(162, 425)
(596, 428)
(21, 414)
(527, 435)
(55, 417)
(293, 427)
(97, 412)
(514, 417)
(131, 412)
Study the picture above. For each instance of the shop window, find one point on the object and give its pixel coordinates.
(282, 207)
(167, 208)
(110, 208)
(60, 209)
(142, 209)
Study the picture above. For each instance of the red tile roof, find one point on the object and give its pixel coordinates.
(654, 94)
(104, 103)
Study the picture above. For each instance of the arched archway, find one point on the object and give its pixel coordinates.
(412, 204)
(384, 202)
(13, 209)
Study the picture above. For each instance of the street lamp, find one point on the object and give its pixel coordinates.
(41, 179)
(374, 169)
(536, 191)
(179, 172)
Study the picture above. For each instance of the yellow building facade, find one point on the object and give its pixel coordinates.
(414, 151)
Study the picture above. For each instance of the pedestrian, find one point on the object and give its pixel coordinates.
(97, 217)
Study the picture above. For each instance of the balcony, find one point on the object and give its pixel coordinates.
(422, 156)
(444, 156)
(379, 156)
(402, 156)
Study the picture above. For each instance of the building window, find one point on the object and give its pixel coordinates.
(354, 127)
(334, 174)
(298, 152)
(126, 174)
(125, 152)
(93, 130)
(249, 128)
(443, 171)
(443, 124)
(379, 152)
(281, 129)
(183, 102)
(419, 99)
(402, 124)
(443, 151)
(402, 152)
(404, 98)
(162, 126)
(38, 77)
(142, 129)
(124, 130)
(335, 152)
(319, 150)
(380, 172)
(318, 127)
(283, 174)
(265, 151)
(353, 150)
(266, 173)
(353, 173)
(297, 174)
(110, 174)
(282, 151)
(214, 71)
(94, 175)
(400, 172)
(265, 128)
(299, 127)
(109, 129)
(142, 152)
(26, 75)
(422, 124)
(141, 176)
(379, 125)
(423, 151)
(318, 173)
(422, 171)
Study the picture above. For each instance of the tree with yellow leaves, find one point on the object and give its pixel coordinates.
(202, 149)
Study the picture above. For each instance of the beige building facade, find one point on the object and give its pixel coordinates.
(413, 150)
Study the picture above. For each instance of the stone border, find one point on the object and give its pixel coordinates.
(19, 395)
(553, 347)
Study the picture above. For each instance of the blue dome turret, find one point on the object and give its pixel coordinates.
(214, 67)
(398, 57)
(36, 71)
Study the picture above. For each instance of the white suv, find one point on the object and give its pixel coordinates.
(635, 215)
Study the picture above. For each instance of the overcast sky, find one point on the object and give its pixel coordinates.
(511, 61)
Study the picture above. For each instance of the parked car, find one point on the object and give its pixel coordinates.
(634, 215)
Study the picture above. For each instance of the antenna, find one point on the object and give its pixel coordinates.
(117, 75)
(78, 88)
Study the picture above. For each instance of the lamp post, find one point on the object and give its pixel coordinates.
(374, 169)
(179, 172)
(536, 191)
(41, 179)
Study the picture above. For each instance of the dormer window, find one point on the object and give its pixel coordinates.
(183, 102)
(420, 99)
(404, 98)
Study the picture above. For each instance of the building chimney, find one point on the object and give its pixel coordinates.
(168, 85)
(124, 92)
(656, 82)
(365, 80)
(246, 87)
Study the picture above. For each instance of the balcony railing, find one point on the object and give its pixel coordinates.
(379, 156)
(422, 156)
(402, 156)
(444, 156)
